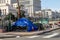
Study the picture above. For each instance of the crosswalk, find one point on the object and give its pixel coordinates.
(31, 36)
(52, 35)
(44, 36)
(1, 39)
(17, 36)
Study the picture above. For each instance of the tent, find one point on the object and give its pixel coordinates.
(24, 22)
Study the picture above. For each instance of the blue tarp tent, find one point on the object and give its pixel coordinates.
(24, 22)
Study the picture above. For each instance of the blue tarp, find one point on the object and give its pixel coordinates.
(24, 22)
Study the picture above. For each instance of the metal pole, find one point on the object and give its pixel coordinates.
(2, 21)
(9, 27)
(10, 23)
(19, 14)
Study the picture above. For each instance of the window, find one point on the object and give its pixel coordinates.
(0, 1)
(27, 2)
(7, 1)
(0, 12)
(4, 1)
(5, 11)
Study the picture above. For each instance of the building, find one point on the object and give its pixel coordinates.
(56, 15)
(0, 12)
(59, 13)
(38, 14)
(48, 13)
(8, 1)
(15, 5)
(22, 8)
(45, 13)
(6, 7)
(31, 6)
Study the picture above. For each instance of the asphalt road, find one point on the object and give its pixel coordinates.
(54, 35)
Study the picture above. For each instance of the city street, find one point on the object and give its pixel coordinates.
(53, 35)
(29, 19)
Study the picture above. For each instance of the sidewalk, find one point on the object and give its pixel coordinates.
(31, 33)
(14, 34)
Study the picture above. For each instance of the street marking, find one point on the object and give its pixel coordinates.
(1, 39)
(50, 36)
(17, 36)
(32, 36)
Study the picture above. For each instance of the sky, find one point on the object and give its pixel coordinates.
(51, 4)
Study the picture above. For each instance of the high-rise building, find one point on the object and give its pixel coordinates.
(31, 6)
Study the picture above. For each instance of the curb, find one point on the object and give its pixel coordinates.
(7, 36)
(13, 35)
(48, 31)
(31, 33)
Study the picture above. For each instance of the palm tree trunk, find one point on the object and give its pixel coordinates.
(19, 15)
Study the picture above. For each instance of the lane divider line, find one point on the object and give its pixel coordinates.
(32, 36)
(50, 36)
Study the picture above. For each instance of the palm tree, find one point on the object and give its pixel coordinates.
(18, 9)
(20, 14)
(21, 11)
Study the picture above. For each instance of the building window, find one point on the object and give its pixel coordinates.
(4, 1)
(0, 1)
(0, 12)
(27, 2)
(7, 1)
(5, 11)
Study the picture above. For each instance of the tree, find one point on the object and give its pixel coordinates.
(22, 12)
(10, 16)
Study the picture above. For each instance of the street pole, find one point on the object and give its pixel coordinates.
(19, 14)
(10, 23)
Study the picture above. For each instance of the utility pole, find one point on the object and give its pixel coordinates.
(19, 14)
